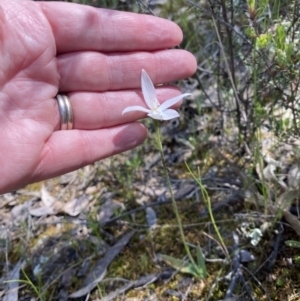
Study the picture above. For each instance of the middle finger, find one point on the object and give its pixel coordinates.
(94, 71)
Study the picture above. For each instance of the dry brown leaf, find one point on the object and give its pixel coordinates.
(292, 220)
(13, 285)
(43, 211)
(20, 212)
(99, 270)
(47, 199)
(108, 209)
(76, 206)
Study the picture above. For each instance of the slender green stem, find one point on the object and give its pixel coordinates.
(294, 10)
(186, 247)
(257, 118)
(208, 205)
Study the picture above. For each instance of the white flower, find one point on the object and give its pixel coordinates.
(156, 110)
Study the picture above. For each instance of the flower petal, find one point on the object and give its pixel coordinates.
(155, 116)
(169, 114)
(135, 108)
(148, 90)
(170, 102)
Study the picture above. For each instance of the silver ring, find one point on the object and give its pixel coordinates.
(65, 110)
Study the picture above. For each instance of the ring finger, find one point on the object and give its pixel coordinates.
(96, 110)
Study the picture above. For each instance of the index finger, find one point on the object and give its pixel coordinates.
(79, 27)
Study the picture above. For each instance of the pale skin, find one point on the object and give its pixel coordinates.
(95, 56)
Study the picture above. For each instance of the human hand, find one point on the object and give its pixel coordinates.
(95, 56)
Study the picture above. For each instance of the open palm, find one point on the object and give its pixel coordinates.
(95, 56)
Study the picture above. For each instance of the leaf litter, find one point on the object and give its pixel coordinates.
(70, 226)
(57, 217)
